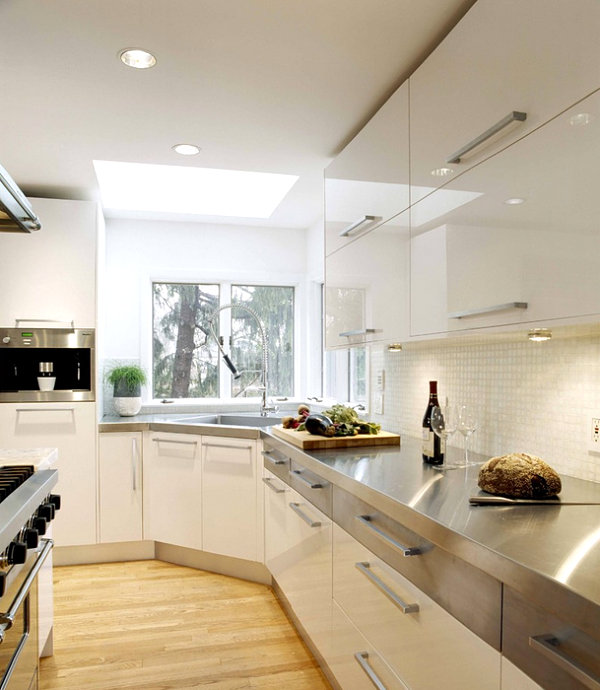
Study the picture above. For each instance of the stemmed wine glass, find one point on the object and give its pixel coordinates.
(467, 425)
(444, 421)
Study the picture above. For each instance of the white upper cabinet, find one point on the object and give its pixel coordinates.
(478, 261)
(366, 287)
(533, 56)
(368, 182)
(51, 274)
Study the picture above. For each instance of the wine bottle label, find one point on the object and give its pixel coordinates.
(428, 442)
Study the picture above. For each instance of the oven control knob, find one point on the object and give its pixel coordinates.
(31, 537)
(39, 525)
(46, 510)
(6, 339)
(17, 552)
(55, 500)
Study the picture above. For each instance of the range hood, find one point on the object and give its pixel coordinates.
(16, 214)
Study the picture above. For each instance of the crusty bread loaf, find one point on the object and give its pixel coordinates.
(519, 475)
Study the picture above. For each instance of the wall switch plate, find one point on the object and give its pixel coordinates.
(378, 403)
(594, 435)
(380, 380)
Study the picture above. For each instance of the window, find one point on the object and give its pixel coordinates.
(185, 355)
(346, 375)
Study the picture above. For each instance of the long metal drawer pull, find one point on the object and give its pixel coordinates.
(309, 521)
(488, 310)
(360, 331)
(404, 550)
(361, 221)
(312, 485)
(514, 116)
(8, 618)
(549, 646)
(231, 446)
(169, 440)
(134, 464)
(365, 569)
(363, 660)
(18, 321)
(275, 461)
(268, 481)
(45, 409)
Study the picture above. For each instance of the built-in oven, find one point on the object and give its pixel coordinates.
(47, 364)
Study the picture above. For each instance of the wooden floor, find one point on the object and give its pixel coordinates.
(153, 625)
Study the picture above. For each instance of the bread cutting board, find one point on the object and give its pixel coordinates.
(307, 441)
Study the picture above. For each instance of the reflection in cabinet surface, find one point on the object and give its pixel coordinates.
(472, 254)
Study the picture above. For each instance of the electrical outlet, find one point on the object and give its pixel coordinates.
(380, 380)
(594, 435)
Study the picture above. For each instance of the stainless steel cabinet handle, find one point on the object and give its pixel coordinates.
(226, 445)
(269, 482)
(549, 646)
(487, 310)
(8, 618)
(360, 331)
(169, 440)
(134, 464)
(274, 460)
(365, 569)
(361, 221)
(45, 409)
(309, 521)
(363, 660)
(18, 321)
(515, 116)
(312, 485)
(404, 550)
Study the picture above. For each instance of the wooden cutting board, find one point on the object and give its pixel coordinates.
(307, 441)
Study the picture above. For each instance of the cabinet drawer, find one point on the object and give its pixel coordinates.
(354, 662)
(551, 650)
(470, 595)
(311, 486)
(404, 624)
(276, 462)
(501, 57)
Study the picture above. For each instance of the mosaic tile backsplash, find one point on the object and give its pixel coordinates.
(531, 397)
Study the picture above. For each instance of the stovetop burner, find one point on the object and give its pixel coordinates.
(12, 476)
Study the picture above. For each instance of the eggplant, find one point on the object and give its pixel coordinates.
(319, 425)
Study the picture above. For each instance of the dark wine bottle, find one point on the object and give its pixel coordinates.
(433, 451)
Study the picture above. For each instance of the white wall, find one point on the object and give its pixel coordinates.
(140, 251)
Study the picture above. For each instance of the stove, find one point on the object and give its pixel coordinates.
(27, 508)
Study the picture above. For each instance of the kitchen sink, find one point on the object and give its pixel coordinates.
(234, 419)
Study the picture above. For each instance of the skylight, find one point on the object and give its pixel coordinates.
(141, 187)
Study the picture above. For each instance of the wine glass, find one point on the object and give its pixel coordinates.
(443, 423)
(467, 425)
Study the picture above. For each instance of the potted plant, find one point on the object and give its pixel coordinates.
(127, 381)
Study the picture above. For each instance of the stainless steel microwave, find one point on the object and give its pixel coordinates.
(47, 364)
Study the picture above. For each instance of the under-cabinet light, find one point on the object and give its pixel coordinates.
(186, 149)
(581, 119)
(394, 347)
(442, 172)
(537, 335)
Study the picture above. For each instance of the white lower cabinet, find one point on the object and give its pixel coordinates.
(70, 427)
(426, 646)
(298, 553)
(120, 486)
(514, 679)
(173, 489)
(231, 498)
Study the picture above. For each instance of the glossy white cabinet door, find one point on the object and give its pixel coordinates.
(354, 661)
(277, 516)
(70, 427)
(120, 486)
(370, 176)
(367, 286)
(231, 509)
(514, 679)
(423, 644)
(51, 274)
(535, 56)
(467, 258)
(173, 488)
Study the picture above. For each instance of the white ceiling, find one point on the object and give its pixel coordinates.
(266, 85)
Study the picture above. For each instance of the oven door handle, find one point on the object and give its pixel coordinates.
(8, 618)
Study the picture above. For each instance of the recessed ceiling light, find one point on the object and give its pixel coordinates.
(186, 149)
(581, 119)
(137, 57)
(537, 335)
(514, 201)
(442, 172)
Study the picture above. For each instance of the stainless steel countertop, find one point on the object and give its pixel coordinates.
(549, 553)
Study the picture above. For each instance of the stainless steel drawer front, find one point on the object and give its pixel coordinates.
(311, 486)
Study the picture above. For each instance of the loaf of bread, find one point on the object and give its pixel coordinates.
(519, 475)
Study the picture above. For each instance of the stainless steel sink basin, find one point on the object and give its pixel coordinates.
(230, 419)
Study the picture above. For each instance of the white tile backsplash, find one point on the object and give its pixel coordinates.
(532, 397)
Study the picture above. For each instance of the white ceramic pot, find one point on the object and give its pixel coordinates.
(127, 407)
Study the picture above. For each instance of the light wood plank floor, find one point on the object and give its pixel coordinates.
(153, 625)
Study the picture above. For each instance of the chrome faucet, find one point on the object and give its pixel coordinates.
(265, 407)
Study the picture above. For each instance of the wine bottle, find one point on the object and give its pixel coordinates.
(433, 451)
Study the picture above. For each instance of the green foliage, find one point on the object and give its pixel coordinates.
(131, 374)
